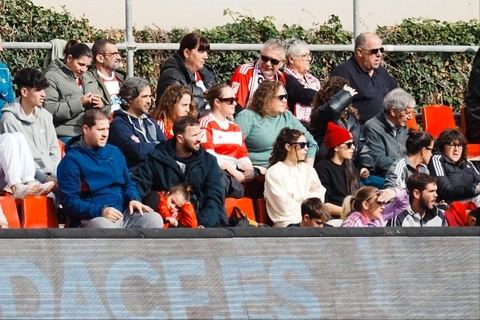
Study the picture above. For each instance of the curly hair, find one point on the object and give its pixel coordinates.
(166, 106)
(329, 88)
(286, 136)
(263, 97)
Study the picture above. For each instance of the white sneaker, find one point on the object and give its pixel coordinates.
(45, 186)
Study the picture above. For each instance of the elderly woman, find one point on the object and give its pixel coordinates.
(301, 85)
(176, 102)
(261, 123)
(289, 180)
(71, 91)
(457, 178)
(187, 67)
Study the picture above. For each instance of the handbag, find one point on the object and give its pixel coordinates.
(239, 219)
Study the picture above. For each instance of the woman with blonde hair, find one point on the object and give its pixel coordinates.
(371, 207)
(176, 101)
(289, 180)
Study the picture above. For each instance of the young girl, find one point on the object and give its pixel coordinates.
(371, 207)
(175, 208)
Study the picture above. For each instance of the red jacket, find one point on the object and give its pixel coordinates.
(456, 214)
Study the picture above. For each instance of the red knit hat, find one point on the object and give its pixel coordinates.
(336, 135)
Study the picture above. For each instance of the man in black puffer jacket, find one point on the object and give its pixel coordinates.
(472, 101)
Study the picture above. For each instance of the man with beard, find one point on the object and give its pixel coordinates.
(182, 159)
(423, 210)
(106, 71)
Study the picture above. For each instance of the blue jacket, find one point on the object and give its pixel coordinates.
(6, 87)
(92, 179)
(124, 126)
(160, 172)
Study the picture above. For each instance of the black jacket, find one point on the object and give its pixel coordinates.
(160, 172)
(472, 102)
(173, 71)
(455, 181)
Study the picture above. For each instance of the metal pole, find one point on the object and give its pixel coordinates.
(130, 40)
(356, 19)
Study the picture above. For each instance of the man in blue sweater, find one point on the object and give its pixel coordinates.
(95, 186)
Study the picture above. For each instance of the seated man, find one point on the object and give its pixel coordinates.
(95, 186)
(182, 159)
(386, 133)
(131, 130)
(247, 77)
(27, 116)
(423, 211)
(105, 69)
(367, 76)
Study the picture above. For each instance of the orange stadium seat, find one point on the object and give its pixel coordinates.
(412, 123)
(437, 118)
(9, 207)
(61, 144)
(473, 149)
(244, 204)
(38, 212)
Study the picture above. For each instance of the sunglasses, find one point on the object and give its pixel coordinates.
(348, 144)
(375, 51)
(110, 54)
(266, 59)
(302, 144)
(283, 96)
(229, 100)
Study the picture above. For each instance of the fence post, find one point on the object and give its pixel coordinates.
(356, 19)
(130, 40)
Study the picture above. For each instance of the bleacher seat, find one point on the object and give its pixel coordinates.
(9, 207)
(261, 213)
(436, 118)
(412, 123)
(244, 204)
(38, 212)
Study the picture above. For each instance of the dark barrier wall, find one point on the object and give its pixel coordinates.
(221, 274)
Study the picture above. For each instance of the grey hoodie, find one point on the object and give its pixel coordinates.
(63, 95)
(39, 133)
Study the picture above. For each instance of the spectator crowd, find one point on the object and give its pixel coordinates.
(320, 152)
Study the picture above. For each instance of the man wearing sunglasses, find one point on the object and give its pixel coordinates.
(106, 71)
(247, 77)
(365, 74)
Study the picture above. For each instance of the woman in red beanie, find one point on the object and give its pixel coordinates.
(336, 171)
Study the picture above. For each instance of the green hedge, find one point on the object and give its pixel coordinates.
(432, 78)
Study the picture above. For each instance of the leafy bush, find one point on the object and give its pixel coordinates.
(432, 78)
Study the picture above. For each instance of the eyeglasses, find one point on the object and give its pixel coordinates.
(429, 149)
(229, 100)
(453, 145)
(302, 144)
(306, 56)
(282, 96)
(375, 51)
(266, 59)
(110, 54)
(349, 144)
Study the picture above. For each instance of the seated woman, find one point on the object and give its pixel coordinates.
(17, 168)
(419, 151)
(261, 123)
(370, 207)
(72, 91)
(336, 171)
(332, 103)
(301, 85)
(187, 67)
(457, 178)
(176, 102)
(289, 180)
(223, 138)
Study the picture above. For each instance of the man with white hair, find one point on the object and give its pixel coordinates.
(247, 77)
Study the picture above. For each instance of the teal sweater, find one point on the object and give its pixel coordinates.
(260, 134)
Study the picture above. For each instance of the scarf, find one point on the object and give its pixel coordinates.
(302, 111)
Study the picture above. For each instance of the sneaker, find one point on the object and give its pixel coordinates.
(45, 188)
(22, 190)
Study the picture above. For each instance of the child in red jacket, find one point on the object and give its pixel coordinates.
(175, 208)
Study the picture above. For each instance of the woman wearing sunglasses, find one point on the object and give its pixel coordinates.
(419, 152)
(261, 123)
(187, 67)
(301, 85)
(223, 138)
(336, 171)
(289, 180)
(370, 207)
(457, 178)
